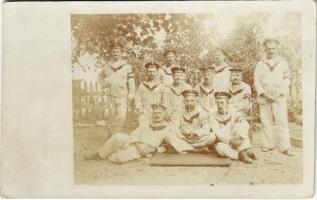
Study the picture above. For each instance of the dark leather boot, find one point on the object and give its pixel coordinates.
(91, 156)
(288, 152)
(243, 156)
(251, 154)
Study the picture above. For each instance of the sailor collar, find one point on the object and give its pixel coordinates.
(117, 65)
(272, 63)
(151, 85)
(167, 70)
(236, 90)
(206, 89)
(189, 116)
(221, 68)
(178, 89)
(222, 119)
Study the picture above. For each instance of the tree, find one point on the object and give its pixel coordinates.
(138, 32)
(193, 36)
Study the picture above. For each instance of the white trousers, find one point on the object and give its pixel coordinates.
(119, 149)
(181, 145)
(223, 148)
(270, 113)
(117, 114)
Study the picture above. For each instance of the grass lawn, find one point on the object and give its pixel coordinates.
(270, 168)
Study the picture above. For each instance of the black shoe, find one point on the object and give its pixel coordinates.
(288, 152)
(91, 156)
(243, 156)
(251, 154)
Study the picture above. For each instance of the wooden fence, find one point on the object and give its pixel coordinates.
(90, 103)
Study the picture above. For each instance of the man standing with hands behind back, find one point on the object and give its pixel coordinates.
(271, 79)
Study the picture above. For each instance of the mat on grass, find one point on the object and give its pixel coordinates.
(190, 159)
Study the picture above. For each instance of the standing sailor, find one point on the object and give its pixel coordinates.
(150, 92)
(166, 75)
(117, 80)
(206, 90)
(222, 73)
(271, 79)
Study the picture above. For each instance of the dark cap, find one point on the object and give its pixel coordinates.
(151, 65)
(190, 92)
(116, 45)
(236, 70)
(205, 69)
(178, 69)
(222, 95)
(158, 106)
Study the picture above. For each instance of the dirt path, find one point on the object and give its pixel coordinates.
(270, 168)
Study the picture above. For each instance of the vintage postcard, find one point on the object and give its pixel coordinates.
(186, 99)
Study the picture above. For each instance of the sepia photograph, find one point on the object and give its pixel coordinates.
(158, 99)
(187, 99)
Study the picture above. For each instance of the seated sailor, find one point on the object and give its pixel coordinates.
(144, 141)
(231, 130)
(193, 132)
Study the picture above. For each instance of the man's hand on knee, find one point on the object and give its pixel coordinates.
(236, 141)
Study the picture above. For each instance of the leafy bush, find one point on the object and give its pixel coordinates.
(193, 36)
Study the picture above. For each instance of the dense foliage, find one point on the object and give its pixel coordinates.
(146, 36)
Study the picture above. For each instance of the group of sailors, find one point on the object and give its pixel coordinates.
(176, 117)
